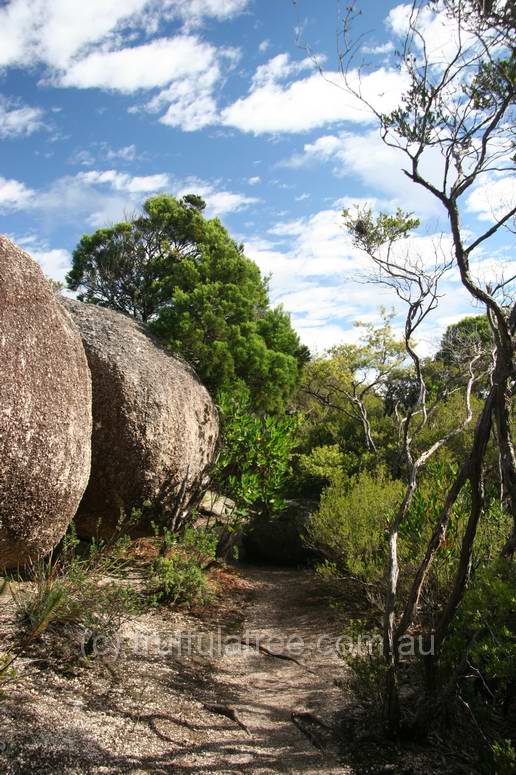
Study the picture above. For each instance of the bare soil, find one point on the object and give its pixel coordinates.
(249, 691)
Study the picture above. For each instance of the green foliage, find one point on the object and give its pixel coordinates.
(485, 627)
(462, 338)
(177, 576)
(370, 232)
(71, 589)
(343, 392)
(366, 663)
(209, 303)
(349, 529)
(325, 463)
(255, 459)
(121, 266)
(504, 757)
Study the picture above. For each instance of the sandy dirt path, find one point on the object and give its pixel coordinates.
(235, 709)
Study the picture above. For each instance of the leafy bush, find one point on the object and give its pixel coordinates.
(255, 460)
(349, 529)
(324, 464)
(484, 629)
(504, 758)
(177, 576)
(423, 515)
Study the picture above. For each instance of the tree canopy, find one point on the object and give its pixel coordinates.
(190, 281)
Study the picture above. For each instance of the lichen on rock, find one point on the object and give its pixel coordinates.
(45, 412)
(155, 426)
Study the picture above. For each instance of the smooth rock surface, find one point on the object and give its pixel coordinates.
(155, 426)
(45, 412)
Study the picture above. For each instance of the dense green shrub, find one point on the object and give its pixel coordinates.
(255, 458)
(349, 529)
(485, 630)
(178, 575)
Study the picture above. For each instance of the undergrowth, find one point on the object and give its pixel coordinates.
(178, 575)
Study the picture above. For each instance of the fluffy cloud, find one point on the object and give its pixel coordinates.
(383, 48)
(437, 33)
(55, 32)
(17, 120)
(492, 197)
(141, 67)
(218, 202)
(378, 167)
(55, 262)
(126, 153)
(87, 157)
(14, 195)
(278, 105)
(100, 197)
(86, 45)
(278, 68)
(195, 10)
(320, 279)
(121, 181)
(191, 102)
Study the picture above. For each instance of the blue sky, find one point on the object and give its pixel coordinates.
(105, 102)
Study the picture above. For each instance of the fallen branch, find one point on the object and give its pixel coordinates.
(228, 712)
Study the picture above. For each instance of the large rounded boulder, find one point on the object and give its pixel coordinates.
(155, 426)
(45, 412)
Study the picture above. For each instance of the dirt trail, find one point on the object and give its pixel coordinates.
(160, 710)
(286, 701)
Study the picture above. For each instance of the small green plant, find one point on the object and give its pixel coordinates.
(178, 575)
(365, 660)
(504, 758)
(74, 588)
(7, 671)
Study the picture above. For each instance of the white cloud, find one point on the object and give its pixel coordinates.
(264, 45)
(126, 153)
(492, 197)
(17, 120)
(437, 32)
(278, 68)
(101, 197)
(55, 262)
(378, 166)
(218, 202)
(318, 276)
(315, 101)
(141, 67)
(87, 157)
(14, 195)
(322, 149)
(254, 180)
(383, 48)
(55, 32)
(89, 45)
(190, 99)
(194, 10)
(121, 181)
(191, 102)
